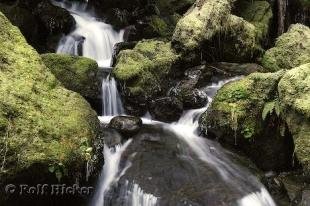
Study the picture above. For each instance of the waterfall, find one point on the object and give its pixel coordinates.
(93, 39)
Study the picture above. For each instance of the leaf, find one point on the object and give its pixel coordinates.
(268, 108)
(51, 169)
(89, 150)
(277, 108)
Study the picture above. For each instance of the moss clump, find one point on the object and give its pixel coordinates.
(291, 49)
(41, 123)
(294, 92)
(75, 73)
(145, 67)
(201, 23)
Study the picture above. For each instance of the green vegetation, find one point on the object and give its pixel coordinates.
(41, 123)
(291, 50)
(75, 73)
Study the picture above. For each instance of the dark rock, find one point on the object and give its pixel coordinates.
(166, 109)
(126, 125)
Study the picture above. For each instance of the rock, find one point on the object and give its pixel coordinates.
(41, 22)
(166, 109)
(126, 125)
(305, 201)
(46, 130)
(211, 22)
(245, 114)
(144, 71)
(78, 74)
(200, 23)
(291, 49)
(118, 47)
(294, 93)
(228, 69)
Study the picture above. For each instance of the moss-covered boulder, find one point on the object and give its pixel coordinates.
(265, 115)
(200, 23)
(45, 129)
(76, 73)
(292, 49)
(245, 114)
(294, 93)
(144, 70)
(223, 33)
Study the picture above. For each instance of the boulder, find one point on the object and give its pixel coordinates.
(166, 109)
(245, 114)
(40, 21)
(144, 71)
(211, 27)
(78, 74)
(291, 49)
(46, 130)
(126, 125)
(294, 93)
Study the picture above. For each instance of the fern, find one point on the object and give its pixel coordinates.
(270, 107)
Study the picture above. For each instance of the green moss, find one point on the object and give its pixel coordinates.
(259, 13)
(200, 24)
(42, 123)
(294, 93)
(291, 49)
(145, 67)
(75, 73)
(237, 107)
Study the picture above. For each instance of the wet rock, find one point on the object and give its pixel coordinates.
(40, 21)
(126, 125)
(167, 109)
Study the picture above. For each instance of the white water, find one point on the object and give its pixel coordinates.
(110, 173)
(186, 129)
(135, 196)
(96, 40)
(111, 101)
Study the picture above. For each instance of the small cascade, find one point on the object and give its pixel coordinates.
(208, 151)
(94, 39)
(111, 171)
(135, 196)
(91, 38)
(111, 101)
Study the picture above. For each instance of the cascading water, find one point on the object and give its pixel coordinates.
(187, 128)
(94, 39)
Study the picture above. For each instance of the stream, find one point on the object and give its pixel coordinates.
(164, 164)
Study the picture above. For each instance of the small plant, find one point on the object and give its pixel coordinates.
(271, 107)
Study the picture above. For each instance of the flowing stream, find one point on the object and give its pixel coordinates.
(116, 185)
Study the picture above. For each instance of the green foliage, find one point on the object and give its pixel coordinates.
(59, 170)
(271, 107)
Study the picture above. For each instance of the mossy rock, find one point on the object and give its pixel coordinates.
(294, 93)
(42, 124)
(245, 114)
(200, 23)
(223, 33)
(291, 50)
(144, 72)
(76, 73)
(258, 13)
(145, 67)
